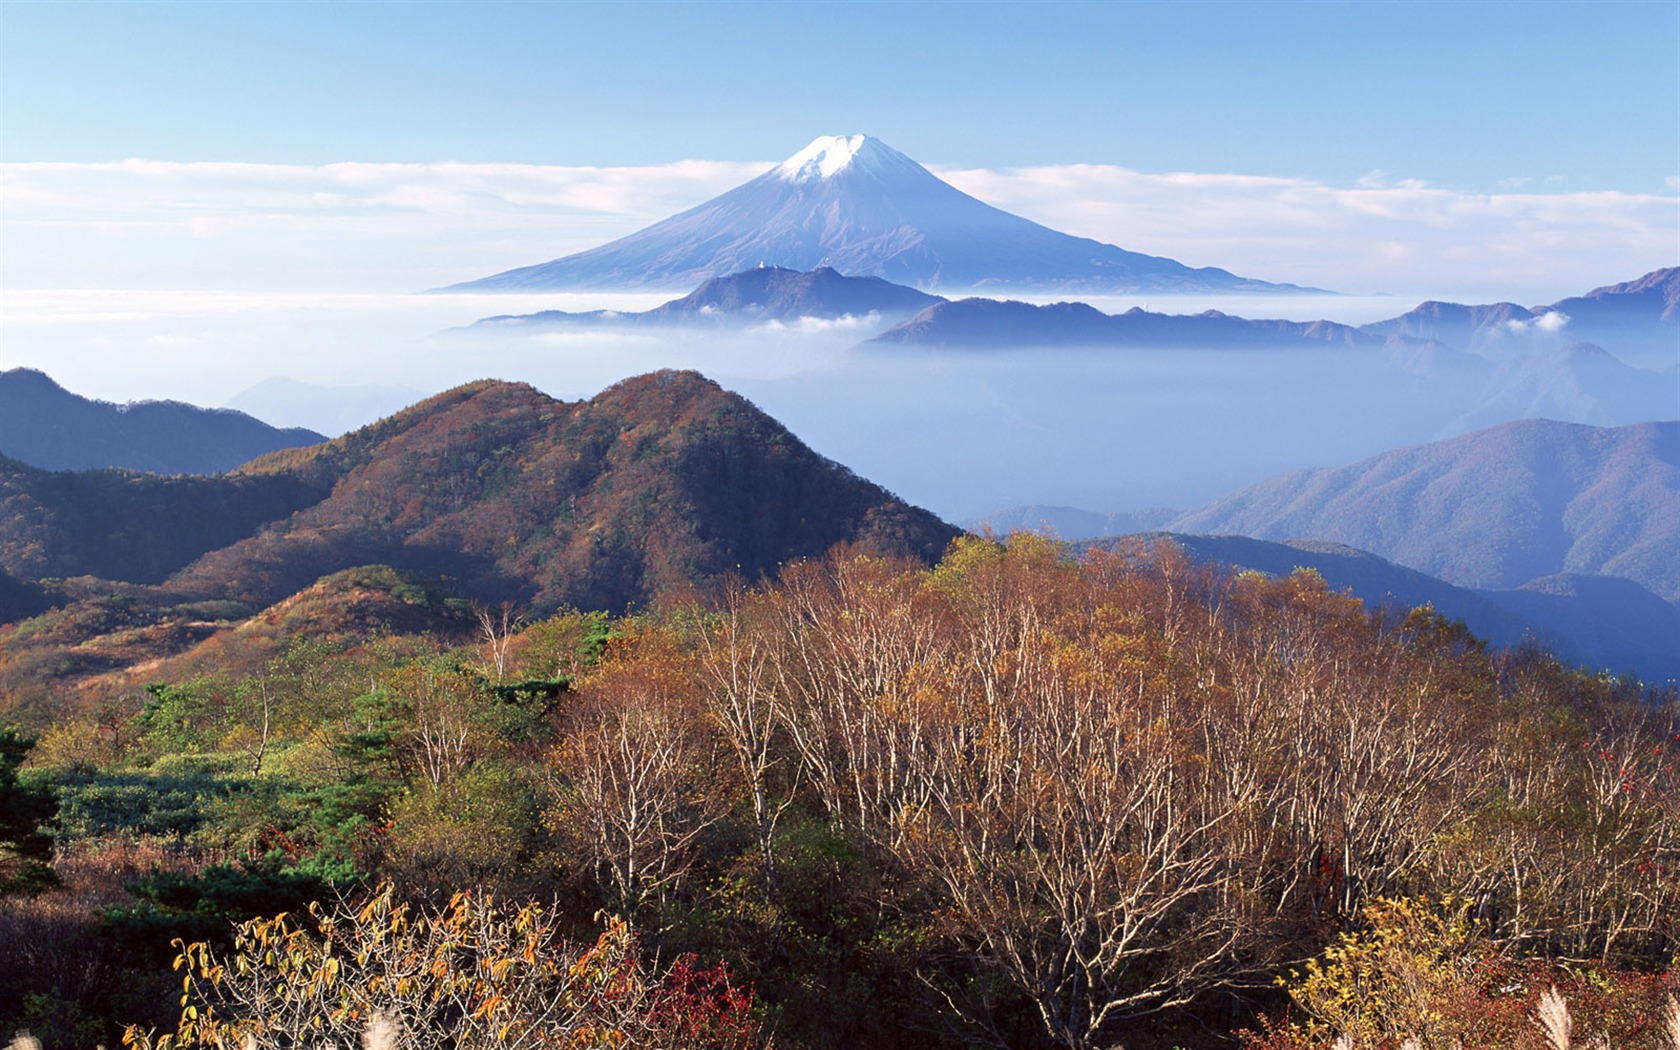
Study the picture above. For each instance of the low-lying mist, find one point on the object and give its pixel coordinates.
(963, 433)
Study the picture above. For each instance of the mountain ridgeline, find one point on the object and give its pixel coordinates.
(1502, 360)
(1637, 317)
(976, 323)
(44, 425)
(660, 482)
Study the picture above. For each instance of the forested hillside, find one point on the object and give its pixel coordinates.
(660, 481)
(130, 526)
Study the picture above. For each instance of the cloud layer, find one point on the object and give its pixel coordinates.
(393, 227)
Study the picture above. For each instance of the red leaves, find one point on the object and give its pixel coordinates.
(701, 1009)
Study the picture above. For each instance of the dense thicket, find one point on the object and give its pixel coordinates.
(122, 525)
(1014, 800)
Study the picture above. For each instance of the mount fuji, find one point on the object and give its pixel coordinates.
(861, 207)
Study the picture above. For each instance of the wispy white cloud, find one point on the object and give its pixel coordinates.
(1550, 322)
(393, 227)
(349, 226)
(1401, 236)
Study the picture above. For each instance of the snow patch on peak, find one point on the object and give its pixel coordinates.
(827, 155)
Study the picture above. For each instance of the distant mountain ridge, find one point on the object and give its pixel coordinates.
(1494, 509)
(863, 208)
(977, 323)
(45, 425)
(1581, 383)
(1070, 523)
(756, 296)
(1640, 315)
(1603, 622)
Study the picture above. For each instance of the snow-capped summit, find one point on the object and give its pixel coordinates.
(827, 155)
(853, 203)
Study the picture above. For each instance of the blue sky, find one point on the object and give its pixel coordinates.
(196, 196)
(1473, 96)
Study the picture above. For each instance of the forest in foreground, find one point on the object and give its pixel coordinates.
(1018, 799)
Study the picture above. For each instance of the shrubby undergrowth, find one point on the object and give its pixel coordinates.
(1015, 800)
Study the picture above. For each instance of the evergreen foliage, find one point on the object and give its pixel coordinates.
(27, 807)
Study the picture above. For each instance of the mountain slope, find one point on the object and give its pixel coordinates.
(45, 425)
(1493, 509)
(1377, 581)
(1608, 621)
(661, 481)
(864, 209)
(1653, 297)
(756, 296)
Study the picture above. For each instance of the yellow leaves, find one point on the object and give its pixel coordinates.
(322, 981)
(1383, 983)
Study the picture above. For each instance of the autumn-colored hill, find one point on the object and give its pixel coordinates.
(505, 494)
(94, 629)
(102, 642)
(661, 481)
(343, 609)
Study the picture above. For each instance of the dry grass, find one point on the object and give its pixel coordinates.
(1552, 1015)
(382, 1032)
(98, 871)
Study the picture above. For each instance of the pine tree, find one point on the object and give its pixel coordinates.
(25, 850)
